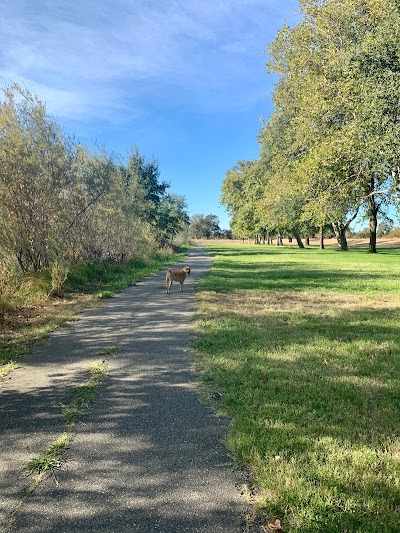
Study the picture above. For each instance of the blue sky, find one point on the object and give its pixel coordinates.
(184, 81)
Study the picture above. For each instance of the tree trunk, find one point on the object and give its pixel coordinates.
(308, 240)
(321, 238)
(298, 239)
(372, 233)
(290, 238)
(340, 234)
(373, 218)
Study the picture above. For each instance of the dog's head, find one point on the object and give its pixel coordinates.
(187, 270)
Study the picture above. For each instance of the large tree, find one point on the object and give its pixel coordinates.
(242, 189)
(339, 84)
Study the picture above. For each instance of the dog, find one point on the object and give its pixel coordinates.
(176, 275)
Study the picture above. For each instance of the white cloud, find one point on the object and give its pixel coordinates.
(92, 57)
(72, 104)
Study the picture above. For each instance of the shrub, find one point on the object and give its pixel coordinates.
(9, 281)
(394, 233)
(59, 273)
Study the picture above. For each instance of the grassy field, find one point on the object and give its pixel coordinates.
(32, 314)
(302, 348)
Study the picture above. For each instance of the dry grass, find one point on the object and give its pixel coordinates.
(392, 242)
(254, 303)
(24, 326)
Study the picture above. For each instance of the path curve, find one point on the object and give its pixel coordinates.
(148, 456)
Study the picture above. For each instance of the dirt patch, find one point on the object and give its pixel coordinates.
(361, 243)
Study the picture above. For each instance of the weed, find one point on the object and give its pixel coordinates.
(56, 454)
(59, 272)
(54, 457)
(9, 281)
(83, 395)
(7, 368)
(108, 352)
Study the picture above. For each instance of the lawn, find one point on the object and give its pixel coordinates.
(302, 348)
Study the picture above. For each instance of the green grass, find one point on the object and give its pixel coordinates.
(108, 278)
(54, 457)
(83, 395)
(303, 347)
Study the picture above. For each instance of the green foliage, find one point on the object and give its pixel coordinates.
(110, 276)
(242, 191)
(172, 218)
(59, 273)
(204, 227)
(9, 282)
(331, 145)
(54, 457)
(83, 395)
(62, 203)
(33, 174)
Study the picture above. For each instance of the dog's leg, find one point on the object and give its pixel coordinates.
(168, 284)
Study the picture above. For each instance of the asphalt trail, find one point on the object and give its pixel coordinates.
(148, 456)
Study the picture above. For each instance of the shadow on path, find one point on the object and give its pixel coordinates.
(148, 456)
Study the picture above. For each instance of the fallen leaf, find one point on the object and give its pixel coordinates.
(274, 526)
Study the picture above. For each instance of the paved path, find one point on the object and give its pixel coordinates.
(148, 456)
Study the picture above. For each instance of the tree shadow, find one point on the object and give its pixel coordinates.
(227, 276)
(147, 457)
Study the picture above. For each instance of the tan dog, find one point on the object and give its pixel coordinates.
(176, 275)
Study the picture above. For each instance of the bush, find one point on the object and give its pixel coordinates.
(394, 233)
(59, 273)
(9, 282)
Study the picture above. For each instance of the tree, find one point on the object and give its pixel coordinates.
(172, 218)
(339, 84)
(384, 228)
(60, 202)
(204, 227)
(35, 175)
(147, 176)
(243, 189)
